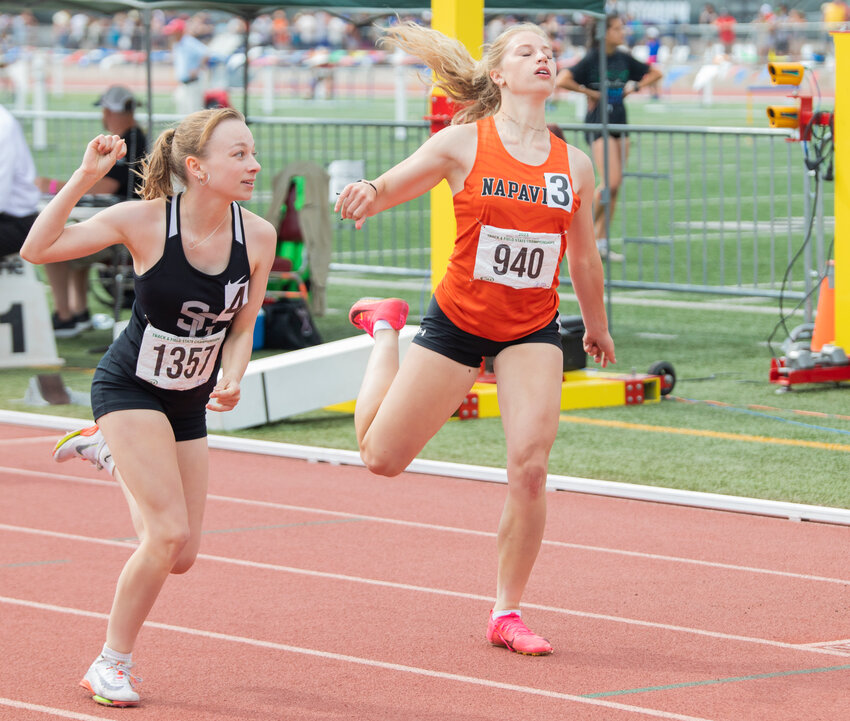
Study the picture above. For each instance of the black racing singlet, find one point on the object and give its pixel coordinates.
(181, 314)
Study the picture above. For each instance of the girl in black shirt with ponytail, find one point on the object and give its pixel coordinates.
(626, 75)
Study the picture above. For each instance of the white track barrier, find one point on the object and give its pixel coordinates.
(299, 381)
(655, 494)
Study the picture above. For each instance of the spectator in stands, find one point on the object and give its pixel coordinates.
(707, 18)
(782, 33)
(61, 28)
(626, 75)
(708, 15)
(24, 27)
(69, 280)
(765, 32)
(280, 29)
(726, 30)
(653, 45)
(834, 13)
(305, 30)
(19, 195)
(190, 56)
(796, 34)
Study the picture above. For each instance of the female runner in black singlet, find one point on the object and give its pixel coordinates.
(201, 265)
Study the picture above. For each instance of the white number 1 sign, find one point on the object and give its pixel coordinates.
(26, 332)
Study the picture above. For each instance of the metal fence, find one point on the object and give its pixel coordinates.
(701, 210)
(718, 210)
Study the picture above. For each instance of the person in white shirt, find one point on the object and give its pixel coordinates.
(19, 195)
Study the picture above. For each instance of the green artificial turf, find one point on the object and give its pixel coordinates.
(723, 429)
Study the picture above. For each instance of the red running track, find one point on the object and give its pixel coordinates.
(324, 592)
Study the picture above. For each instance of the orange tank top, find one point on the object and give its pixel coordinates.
(512, 219)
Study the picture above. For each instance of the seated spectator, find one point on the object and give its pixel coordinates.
(69, 280)
(19, 195)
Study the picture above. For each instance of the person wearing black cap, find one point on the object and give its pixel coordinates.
(69, 280)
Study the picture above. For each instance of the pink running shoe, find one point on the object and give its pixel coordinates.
(511, 632)
(366, 311)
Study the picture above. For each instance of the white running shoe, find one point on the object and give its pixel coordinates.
(111, 683)
(606, 252)
(86, 444)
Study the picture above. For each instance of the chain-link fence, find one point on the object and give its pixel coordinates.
(701, 210)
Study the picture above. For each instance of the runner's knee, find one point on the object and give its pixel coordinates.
(167, 542)
(527, 478)
(184, 562)
(382, 463)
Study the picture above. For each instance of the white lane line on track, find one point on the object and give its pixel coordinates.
(841, 646)
(454, 529)
(344, 658)
(546, 542)
(49, 710)
(438, 591)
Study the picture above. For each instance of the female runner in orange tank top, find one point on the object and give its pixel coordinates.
(523, 199)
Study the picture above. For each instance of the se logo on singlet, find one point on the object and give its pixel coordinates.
(177, 362)
(557, 192)
(195, 315)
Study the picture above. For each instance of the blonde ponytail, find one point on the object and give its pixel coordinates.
(456, 72)
(156, 168)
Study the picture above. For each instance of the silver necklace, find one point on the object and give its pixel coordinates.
(522, 125)
(193, 245)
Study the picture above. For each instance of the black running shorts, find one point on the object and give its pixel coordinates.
(113, 389)
(439, 334)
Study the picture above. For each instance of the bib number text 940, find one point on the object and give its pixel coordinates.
(526, 261)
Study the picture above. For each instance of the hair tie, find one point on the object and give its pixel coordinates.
(372, 185)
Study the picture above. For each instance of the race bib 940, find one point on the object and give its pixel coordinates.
(177, 362)
(516, 258)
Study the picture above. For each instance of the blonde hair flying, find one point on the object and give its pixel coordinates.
(462, 78)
